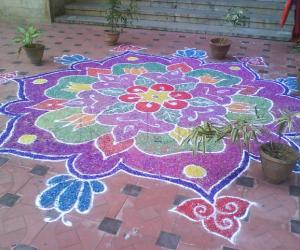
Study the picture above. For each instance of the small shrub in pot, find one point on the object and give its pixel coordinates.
(278, 159)
(26, 37)
(219, 46)
(117, 16)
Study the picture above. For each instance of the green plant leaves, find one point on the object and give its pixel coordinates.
(118, 16)
(21, 29)
(28, 34)
(236, 16)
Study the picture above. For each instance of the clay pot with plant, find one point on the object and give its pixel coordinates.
(117, 18)
(34, 51)
(277, 159)
(219, 46)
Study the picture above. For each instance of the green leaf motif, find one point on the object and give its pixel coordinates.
(59, 91)
(119, 69)
(49, 122)
(143, 81)
(186, 86)
(223, 79)
(112, 91)
(201, 102)
(118, 108)
(168, 115)
(262, 105)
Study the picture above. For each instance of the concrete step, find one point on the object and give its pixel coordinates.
(180, 15)
(259, 6)
(185, 27)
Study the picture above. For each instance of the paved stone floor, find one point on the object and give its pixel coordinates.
(140, 220)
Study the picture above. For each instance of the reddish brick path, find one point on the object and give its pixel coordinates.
(144, 217)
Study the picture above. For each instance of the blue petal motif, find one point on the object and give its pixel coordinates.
(180, 53)
(67, 60)
(290, 82)
(58, 179)
(69, 197)
(192, 53)
(48, 197)
(85, 198)
(79, 57)
(66, 193)
(97, 186)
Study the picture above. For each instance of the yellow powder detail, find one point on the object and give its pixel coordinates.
(194, 171)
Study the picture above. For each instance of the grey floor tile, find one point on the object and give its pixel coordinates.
(110, 225)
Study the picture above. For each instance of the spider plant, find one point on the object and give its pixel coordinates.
(117, 16)
(239, 131)
(286, 121)
(200, 136)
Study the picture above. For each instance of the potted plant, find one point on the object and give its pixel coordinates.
(118, 17)
(278, 159)
(220, 46)
(34, 51)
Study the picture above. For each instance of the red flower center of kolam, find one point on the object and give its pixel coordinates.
(157, 96)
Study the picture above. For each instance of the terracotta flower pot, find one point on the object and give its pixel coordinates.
(35, 53)
(277, 170)
(219, 47)
(111, 38)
